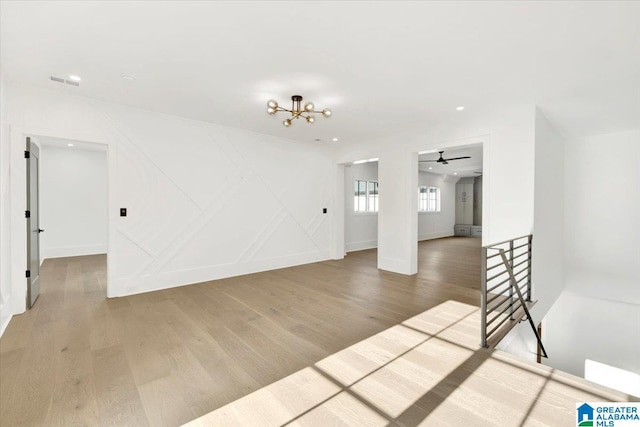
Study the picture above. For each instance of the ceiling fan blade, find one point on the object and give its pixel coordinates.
(458, 158)
(427, 161)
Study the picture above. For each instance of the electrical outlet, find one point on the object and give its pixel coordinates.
(324, 210)
(123, 211)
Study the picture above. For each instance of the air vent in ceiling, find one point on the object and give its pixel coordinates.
(61, 80)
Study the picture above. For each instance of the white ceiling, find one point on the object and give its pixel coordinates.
(460, 168)
(382, 67)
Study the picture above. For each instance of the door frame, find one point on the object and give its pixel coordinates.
(18, 189)
(485, 142)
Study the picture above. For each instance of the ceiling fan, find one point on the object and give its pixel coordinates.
(445, 161)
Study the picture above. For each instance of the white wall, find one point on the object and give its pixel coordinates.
(602, 216)
(360, 228)
(580, 327)
(549, 218)
(204, 201)
(432, 225)
(548, 234)
(598, 317)
(5, 212)
(595, 316)
(73, 201)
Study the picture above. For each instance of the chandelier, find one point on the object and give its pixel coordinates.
(296, 110)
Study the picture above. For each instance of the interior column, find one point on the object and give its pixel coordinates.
(398, 212)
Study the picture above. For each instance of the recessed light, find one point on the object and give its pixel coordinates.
(127, 77)
(460, 108)
(430, 168)
(335, 139)
(75, 78)
(455, 173)
(70, 145)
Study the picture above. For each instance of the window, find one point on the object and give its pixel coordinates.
(360, 196)
(365, 196)
(428, 199)
(373, 196)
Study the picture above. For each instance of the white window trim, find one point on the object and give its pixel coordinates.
(366, 212)
(438, 200)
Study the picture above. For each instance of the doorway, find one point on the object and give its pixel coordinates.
(361, 203)
(68, 186)
(450, 214)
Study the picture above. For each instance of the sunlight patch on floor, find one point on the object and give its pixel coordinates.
(428, 370)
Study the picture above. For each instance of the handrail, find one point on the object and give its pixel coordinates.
(518, 292)
(507, 241)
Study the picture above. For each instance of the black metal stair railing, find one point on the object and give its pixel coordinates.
(506, 286)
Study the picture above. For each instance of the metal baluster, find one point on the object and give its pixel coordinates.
(530, 249)
(483, 300)
(511, 287)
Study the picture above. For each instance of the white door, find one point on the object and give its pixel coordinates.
(33, 224)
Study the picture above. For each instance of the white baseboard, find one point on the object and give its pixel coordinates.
(137, 285)
(4, 318)
(370, 244)
(400, 266)
(67, 251)
(435, 235)
(360, 246)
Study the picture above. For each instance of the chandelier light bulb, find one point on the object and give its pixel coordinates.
(310, 119)
(272, 103)
(287, 123)
(309, 106)
(271, 110)
(326, 112)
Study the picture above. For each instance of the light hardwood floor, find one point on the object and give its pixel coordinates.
(427, 370)
(168, 357)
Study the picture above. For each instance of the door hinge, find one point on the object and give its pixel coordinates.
(27, 154)
(28, 273)
(27, 214)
